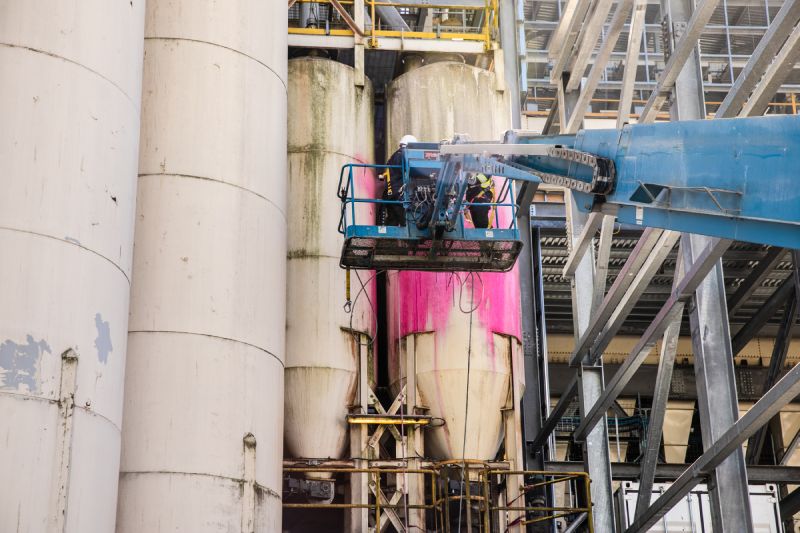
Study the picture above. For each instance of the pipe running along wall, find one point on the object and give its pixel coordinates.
(202, 439)
(70, 81)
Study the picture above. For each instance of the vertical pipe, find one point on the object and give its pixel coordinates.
(70, 82)
(208, 299)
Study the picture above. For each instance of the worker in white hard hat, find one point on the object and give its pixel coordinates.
(480, 190)
(394, 214)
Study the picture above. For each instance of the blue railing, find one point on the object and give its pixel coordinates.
(349, 197)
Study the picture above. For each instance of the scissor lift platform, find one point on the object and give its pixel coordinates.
(396, 248)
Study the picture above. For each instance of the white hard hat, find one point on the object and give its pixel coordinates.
(407, 139)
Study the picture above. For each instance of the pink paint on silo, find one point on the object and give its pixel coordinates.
(437, 305)
(434, 102)
(428, 298)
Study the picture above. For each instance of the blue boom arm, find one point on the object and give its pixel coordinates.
(728, 178)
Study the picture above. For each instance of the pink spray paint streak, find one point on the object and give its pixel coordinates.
(425, 301)
(364, 184)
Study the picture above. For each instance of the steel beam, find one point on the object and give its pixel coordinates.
(756, 277)
(358, 30)
(770, 405)
(549, 127)
(647, 242)
(599, 65)
(684, 47)
(556, 414)
(588, 39)
(658, 410)
(776, 74)
(563, 40)
(672, 471)
(576, 524)
(696, 272)
(638, 287)
(532, 332)
(789, 451)
(590, 380)
(717, 401)
(603, 255)
(389, 43)
(563, 26)
(711, 341)
(790, 505)
(762, 316)
(635, 33)
(596, 454)
(508, 44)
(582, 243)
(768, 47)
(778, 359)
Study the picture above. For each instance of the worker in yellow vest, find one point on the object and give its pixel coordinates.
(394, 214)
(480, 190)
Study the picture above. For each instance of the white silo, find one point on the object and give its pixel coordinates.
(70, 81)
(202, 437)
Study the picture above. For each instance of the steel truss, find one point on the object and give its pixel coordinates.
(698, 286)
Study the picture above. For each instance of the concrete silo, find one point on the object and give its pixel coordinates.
(330, 125)
(70, 81)
(433, 102)
(202, 439)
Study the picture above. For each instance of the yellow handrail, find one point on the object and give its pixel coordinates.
(486, 33)
(484, 501)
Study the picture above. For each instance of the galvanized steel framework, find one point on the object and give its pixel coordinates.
(566, 44)
(729, 38)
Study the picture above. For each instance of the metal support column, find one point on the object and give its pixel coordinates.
(655, 426)
(357, 519)
(508, 42)
(590, 380)
(414, 449)
(635, 31)
(512, 436)
(358, 48)
(534, 348)
(716, 392)
(535, 396)
(711, 340)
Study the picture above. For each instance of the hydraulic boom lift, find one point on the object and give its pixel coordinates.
(728, 178)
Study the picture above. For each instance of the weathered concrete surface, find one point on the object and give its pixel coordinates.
(207, 323)
(330, 125)
(70, 81)
(434, 102)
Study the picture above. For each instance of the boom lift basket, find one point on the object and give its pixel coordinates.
(409, 247)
